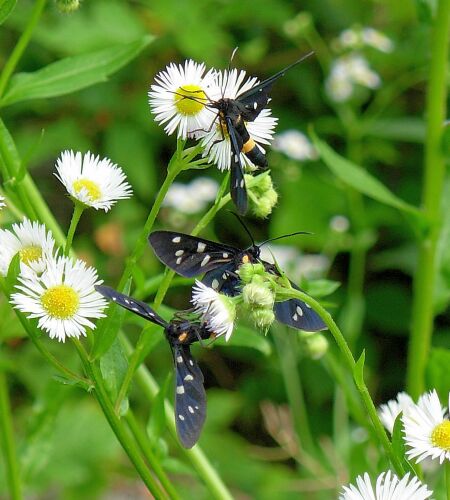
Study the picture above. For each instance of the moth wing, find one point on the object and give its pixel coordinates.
(238, 190)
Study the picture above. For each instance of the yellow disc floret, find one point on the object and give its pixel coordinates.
(440, 436)
(30, 254)
(60, 301)
(190, 99)
(90, 187)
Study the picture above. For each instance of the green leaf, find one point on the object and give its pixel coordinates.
(13, 273)
(356, 177)
(437, 371)
(321, 288)
(157, 420)
(358, 370)
(72, 73)
(441, 296)
(113, 366)
(244, 336)
(6, 7)
(108, 328)
(398, 444)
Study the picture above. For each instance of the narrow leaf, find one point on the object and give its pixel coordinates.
(359, 179)
(6, 7)
(358, 370)
(13, 273)
(157, 420)
(72, 73)
(113, 366)
(398, 444)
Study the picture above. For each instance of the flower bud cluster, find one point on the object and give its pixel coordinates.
(261, 194)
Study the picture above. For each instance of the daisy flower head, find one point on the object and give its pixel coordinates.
(30, 240)
(427, 429)
(389, 411)
(388, 487)
(2, 202)
(94, 182)
(295, 145)
(179, 96)
(63, 297)
(218, 310)
(216, 141)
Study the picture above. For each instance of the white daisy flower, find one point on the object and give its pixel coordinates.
(295, 145)
(95, 182)
(216, 142)
(388, 487)
(63, 297)
(427, 429)
(377, 40)
(356, 38)
(179, 95)
(31, 240)
(218, 310)
(389, 411)
(2, 202)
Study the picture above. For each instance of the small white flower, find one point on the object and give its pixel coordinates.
(179, 95)
(2, 202)
(377, 40)
(347, 71)
(31, 240)
(339, 223)
(95, 182)
(388, 487)
(295, 145)
(389, 411)
(216, 142)
(63, 297)
(193, 197)
(218, 310)
(427, 429)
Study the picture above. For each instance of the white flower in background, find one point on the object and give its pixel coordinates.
(216, 142)
(218, 310)
(63, 298)
(295, 145)
(357, 38)
(347, 71)
(95, 182)
(179, 95)
(31, 240)
(427, 429)
(339, 224)
(389, 411)
(2, 202)
(193, 197)
(388, 487)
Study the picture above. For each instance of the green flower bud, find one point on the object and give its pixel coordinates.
(262, 195)
(259, 295)
(67, 6)
(315, 345)
(248, 271)
(262, 317)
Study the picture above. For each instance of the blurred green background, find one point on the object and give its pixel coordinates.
(66, 447)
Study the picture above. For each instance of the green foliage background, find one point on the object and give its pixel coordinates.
(65, 445)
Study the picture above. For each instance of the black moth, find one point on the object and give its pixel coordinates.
(233, 113)
(190, 397)
(190, 256)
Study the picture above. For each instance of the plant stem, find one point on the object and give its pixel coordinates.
(21, 45)
(287, 352)
(78, 210)
(122, 435)
(447, 478)
(8, 446)
(195, 455)
(351, 364)
(141, 438)
(434, 174)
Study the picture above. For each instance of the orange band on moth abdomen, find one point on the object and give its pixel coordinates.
(248, 146)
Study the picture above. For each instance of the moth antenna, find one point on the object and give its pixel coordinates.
(284, 236)
(244, 226)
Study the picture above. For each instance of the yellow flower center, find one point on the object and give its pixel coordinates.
(92, 188)
(190, 99)
(30, 254)
(440, 436)
(60, 301)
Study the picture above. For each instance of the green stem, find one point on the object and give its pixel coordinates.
(122, 435)
(351, 364)
(8, 446)
(78, 210)
(287, 351)
(434, 174)
(195, 455)
(447, 478)
(21, 45)
(141, 438)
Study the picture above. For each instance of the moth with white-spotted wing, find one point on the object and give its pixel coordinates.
(190, 397)
(191, 256)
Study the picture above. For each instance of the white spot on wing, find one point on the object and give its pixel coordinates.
(295, 317)
(178, 253)
(191, 362)
(177, 239)
(225, 255)
(205, 260)
(255, 105)
(179, 260)
(215, 284)
(179, 359)
(299, 310)
(191, 409)
(180, 389)
(242, 183)
(188, 378)
(307, 305)
(181, 417)
(224, 276)
(201, 247)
